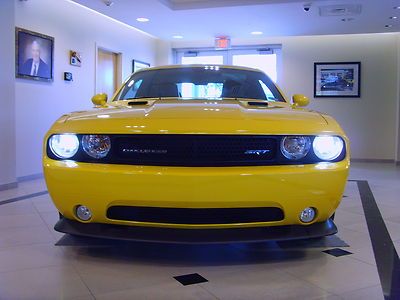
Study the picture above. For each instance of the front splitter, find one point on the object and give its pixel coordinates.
(196, 236)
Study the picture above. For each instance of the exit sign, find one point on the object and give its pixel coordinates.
(222, 42)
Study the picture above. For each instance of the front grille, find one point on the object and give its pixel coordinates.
(194, 150)
(195, 215)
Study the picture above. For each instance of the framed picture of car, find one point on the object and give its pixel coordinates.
(138, 65)
(34, 55)
(337, 79)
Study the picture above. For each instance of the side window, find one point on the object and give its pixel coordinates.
(132, 91)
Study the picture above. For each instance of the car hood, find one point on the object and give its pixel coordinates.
(196, 117)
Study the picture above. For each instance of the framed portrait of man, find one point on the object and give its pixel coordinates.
(34, 55)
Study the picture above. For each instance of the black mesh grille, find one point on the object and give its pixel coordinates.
(195, 215)
(194, 150)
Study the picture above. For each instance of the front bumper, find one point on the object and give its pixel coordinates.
(196, 236)
(290, 188)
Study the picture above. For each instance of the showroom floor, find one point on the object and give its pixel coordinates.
(33, 267)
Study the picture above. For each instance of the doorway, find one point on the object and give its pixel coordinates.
(108, 74)
(265, 58)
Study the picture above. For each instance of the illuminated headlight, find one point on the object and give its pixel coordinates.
(328, 147)
(295, 147)
(96, 146)
(64, 145)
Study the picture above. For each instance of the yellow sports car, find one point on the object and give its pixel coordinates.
(197, 154)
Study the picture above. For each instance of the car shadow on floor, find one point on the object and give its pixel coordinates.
(196, 254)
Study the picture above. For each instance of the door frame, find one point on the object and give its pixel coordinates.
(119, 66)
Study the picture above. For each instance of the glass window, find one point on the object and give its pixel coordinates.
(208, 82)
(132, 89)
(190, 90)
(267, 91)
(263, 62)
(203, 60)
(265, 58)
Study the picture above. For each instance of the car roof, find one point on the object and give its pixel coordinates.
(200, 66)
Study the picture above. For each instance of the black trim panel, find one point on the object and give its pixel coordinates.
(171, 215)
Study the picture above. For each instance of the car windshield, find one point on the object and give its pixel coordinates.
(208, 82)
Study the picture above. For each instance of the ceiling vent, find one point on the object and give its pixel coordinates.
(340, 10)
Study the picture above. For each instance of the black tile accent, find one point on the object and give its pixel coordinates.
(190, 279)
(337, 252)
(386, 256)
(23, 197)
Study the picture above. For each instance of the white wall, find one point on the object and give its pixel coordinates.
(38, 104)
(164, 53)
(369, 121)
(7, 107)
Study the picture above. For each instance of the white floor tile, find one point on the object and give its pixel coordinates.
(21, 236)
(30, 257)
(167, 290)
(20, 221)
(372, 293)
(43, 283)
(259, 284)
(333, 273)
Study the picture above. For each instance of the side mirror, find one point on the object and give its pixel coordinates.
(99, 99)
(300, 100)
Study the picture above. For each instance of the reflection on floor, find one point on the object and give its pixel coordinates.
(32, 267)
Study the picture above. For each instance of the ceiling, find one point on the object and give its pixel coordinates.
(206, 19)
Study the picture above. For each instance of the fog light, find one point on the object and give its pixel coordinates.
(83, 213)
(307, 215)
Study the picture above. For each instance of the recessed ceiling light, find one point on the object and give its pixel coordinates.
(396, 7)
(393, 17)
(177, 36)
(388, 25)
(256, 32)
(143, 20)
(108, 3)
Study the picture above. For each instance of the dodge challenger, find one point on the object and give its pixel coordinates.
(197, 154)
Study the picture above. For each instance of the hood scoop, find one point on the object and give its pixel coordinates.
(255, 103)
(137, 103)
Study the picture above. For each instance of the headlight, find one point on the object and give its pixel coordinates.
(295, 147)
(64, 145)
(327, 147)
(96, 146)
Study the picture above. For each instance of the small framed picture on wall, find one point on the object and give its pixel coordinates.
(34, 55)
(138, 65)
(337, 79)
(75, 58)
